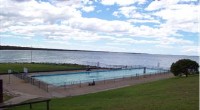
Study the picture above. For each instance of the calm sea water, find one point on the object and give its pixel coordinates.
(80, 57)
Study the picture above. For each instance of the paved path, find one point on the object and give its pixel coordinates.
(25, 91)
(20, 98)
(21, 90)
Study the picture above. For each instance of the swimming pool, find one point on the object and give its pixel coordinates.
(75, 78)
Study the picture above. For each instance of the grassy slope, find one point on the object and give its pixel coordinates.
(37, 67)
(170, 94)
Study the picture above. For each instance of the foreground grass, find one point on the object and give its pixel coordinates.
(38, 67)
(170, 94)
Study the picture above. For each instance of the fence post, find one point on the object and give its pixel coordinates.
(33, 81)
(80, 84)
(30, 106)
(48, 105)
(39, 84)
(47, 88)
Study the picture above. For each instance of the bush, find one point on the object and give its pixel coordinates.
(184, 66)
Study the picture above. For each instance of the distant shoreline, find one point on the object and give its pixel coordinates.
(7, 47)
(30, 48)
(49, 49)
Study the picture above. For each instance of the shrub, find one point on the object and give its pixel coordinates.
(184, 66)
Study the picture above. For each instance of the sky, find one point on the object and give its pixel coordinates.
(136, 26)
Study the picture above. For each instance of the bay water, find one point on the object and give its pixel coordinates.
(89, 58)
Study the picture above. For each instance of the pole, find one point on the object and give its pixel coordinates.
(0, 46)
(31, 54)
(47, 88)
(144, 70)
(1, 91)
(9, 72)
(144, 74)
(65, 85)
(9, 78)
(30, 106)
(47, 104)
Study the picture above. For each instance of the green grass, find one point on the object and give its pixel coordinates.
(170, 94)
(38, 67)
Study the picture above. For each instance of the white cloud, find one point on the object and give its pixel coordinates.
(26, 11)
(191, 49)
(133, 41)
(88, 2)
(99, 25)
(15, 36)
(63, 21)
(164, 46)
(160, 4)
(116, 13)
(71, 3)
(126, 11)
(176, 20)
(122, 2)
(172, 40)
(131, 12)
(88, 8)
(143, 21)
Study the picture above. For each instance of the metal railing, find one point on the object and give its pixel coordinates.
(81, 83)
(108, 78)
(33, 81)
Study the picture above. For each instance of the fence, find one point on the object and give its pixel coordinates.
(82, 83)
(85, 83)
(28, 103)
(109, 78)
(33, 81)
(103, 65)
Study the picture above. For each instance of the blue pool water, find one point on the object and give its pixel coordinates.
(75, 78)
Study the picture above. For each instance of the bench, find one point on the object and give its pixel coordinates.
(91, 83)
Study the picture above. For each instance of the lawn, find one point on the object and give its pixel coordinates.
(38, 67)
(170, 94)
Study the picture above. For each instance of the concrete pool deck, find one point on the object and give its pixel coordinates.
(25, 91)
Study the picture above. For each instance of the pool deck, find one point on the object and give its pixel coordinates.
(25, 91)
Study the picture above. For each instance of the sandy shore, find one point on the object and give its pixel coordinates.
(25, 91)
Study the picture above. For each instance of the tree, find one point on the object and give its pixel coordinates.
(184, 66)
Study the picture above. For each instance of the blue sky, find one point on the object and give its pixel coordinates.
(140, 26)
